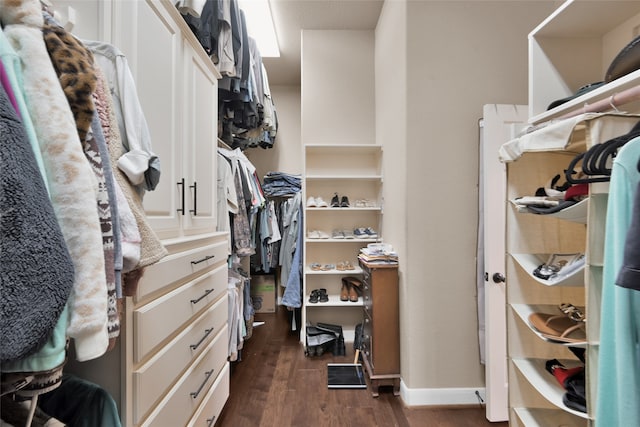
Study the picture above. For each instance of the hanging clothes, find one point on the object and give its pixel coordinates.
(74, 202)
(618, 395)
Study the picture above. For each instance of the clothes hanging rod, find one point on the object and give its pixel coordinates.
(610, 103)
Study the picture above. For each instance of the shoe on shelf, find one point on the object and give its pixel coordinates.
(344, 202)
(311, 202)
(364, 203)
(316, 267)
(323, 234)
(353, 293)
(335, 201)
(313, 234)
(360, 233)
(337, 234)
(344, 291)
(322, 295)
(355, 287)
(341, 266)
(347, 234)
(371, 233)
(348, 265)
(313, 297)
(321, 203)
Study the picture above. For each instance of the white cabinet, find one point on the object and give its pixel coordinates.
(178, 87)
(571, 48)
(177, 337)
(170, 366)
(353, 171)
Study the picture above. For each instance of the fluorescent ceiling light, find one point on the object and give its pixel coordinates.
(260, 26)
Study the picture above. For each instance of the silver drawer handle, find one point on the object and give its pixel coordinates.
(206, 292)
(206, 334)
(210, 421)
(207, 374)
(206, 258)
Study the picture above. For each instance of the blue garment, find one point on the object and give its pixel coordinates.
(280, 184)
(618, 394)
(292, 296)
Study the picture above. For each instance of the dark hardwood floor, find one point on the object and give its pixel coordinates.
(275, 384)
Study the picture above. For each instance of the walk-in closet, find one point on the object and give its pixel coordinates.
(319, 213)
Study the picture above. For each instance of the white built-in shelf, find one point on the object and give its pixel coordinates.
(543, 417)
(334, 301)
(593, 32)
(349, 209)
(355, 271)
(574, 213)
(342, 177)
(343, 148)
(545, 383)
(343, 240)
(525, 310)
(529, 262)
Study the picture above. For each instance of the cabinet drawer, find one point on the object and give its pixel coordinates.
(157, 320)
(184, 397)
(153, 378)
(213, 402)
(177, 266)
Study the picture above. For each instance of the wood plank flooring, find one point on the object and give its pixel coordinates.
(275, 384)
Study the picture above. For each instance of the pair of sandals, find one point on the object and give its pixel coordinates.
(568, 327)
(318, 295)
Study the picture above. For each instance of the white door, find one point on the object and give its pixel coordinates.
(500, 124)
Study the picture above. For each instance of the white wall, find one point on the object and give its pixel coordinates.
(460, 56)
(436, 64)
(286, 153)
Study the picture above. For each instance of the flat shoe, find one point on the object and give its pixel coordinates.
(321, 203)
(558, 327)
(335, 201)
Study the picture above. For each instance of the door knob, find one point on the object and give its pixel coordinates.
(498, 277)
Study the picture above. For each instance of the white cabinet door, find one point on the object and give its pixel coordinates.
(144, 27)
(200, 118)
(501, 123)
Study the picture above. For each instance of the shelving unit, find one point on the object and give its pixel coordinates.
(572, 47)
(354, 171)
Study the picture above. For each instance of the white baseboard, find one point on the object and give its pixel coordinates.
(440, 396)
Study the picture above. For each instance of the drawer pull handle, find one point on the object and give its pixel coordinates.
(195, 199)
(181, 184)
(206, 334)
(207, 374)
(207, 258)
(206, 292)
(210, 421)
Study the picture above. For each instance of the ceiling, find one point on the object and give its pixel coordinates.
(292, 16)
